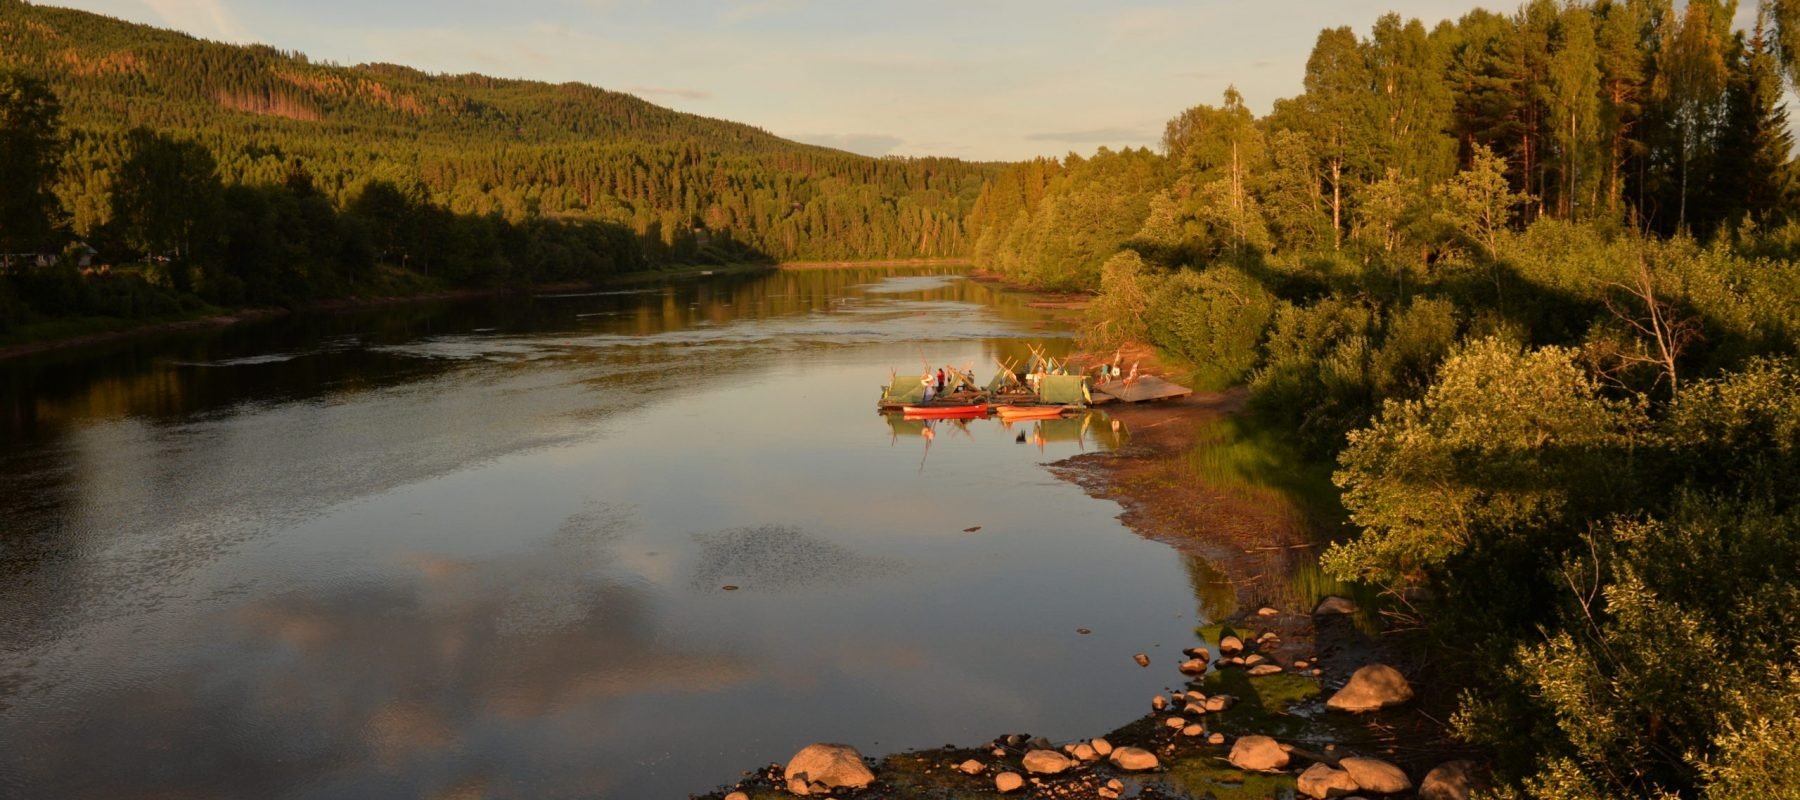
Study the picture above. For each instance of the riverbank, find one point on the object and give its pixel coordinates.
(1248, 519)
(100, 331)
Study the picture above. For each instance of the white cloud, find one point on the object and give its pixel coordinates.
(208, 18)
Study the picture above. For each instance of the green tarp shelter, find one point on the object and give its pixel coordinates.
(1068, 390)
(905, 389)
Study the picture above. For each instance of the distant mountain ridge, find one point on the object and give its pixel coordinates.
(477, 144)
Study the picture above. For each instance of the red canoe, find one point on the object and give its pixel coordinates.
(933, 412)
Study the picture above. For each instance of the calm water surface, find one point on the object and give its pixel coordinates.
(479, 550)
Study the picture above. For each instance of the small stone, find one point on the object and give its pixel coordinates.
(1083, 631)
(1194, 696)
(1132, 759)
(1107, 793)
(1264, 669)
(1116, 785)
(798, 788)
(1014, 739)
(1158, 703)
(1085, 752)
(999, 752)
(1452, 780)
(1038, 743)
(1175, 722)
(737, 796)
(1316, 672)
(972, 767)
(1372, 688)
(1045, 762)
(1253, 660)
(1375, 775)
(1231, 644)
(1195, 709)
(1265, 611)
(1334, 605)
(1198, 652)
(1008, 782)
(1321, 781)
(1102, 746)
(1193, 730)
(1141, 659)
(1216, 738)
(1300, 665)
(1193, 666)
(1258, 754)
(1220, 702)
(729, 588)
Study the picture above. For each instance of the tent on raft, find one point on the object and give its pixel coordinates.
(1068, 390)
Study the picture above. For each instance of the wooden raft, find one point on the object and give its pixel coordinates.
(1144, 389)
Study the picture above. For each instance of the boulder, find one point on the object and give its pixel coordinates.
(1102, 746)
(1453, 780)
(1258, 754)
(1372, 688)
(836, 766)
(1264, 669)
(1133, 759)
(1193, 666)
(1085, 752)
(1008, 782)
(1321, 781)
(1046, 762)
(972, 767)
(1375, 775)
(1230, 644)
(1334, 605)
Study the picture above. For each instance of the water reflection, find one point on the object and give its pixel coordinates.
(481, 549)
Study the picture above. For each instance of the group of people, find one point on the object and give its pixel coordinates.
(935, 384)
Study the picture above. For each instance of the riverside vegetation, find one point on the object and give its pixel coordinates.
(1527, 278)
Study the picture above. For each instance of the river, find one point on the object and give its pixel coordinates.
(482, 549)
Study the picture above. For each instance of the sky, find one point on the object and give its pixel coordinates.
(975, 79)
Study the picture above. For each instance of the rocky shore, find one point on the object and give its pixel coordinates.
(1288, 696)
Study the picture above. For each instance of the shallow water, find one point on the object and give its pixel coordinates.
(480, 550)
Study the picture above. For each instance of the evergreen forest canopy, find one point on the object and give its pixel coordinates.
(247, 175)
(1529, 278)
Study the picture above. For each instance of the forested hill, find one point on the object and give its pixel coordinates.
(689, 187)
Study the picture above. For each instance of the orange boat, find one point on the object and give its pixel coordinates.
(946, 412)
(1017, 413)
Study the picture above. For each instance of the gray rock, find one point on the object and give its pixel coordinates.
(1046, 762)
(1258, 754)
(1375, 775)
(1321, 781)
(1230, 644)
(1133, 759)
(1193, 666)
(972, 767)
(1008, 782)
(1102, 746)
(1334, 605)
(1372, 688)
(836, 766)
(1453, 780)
(1039, 743)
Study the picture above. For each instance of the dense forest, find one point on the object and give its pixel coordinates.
(1529, 278)
(246, 175)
